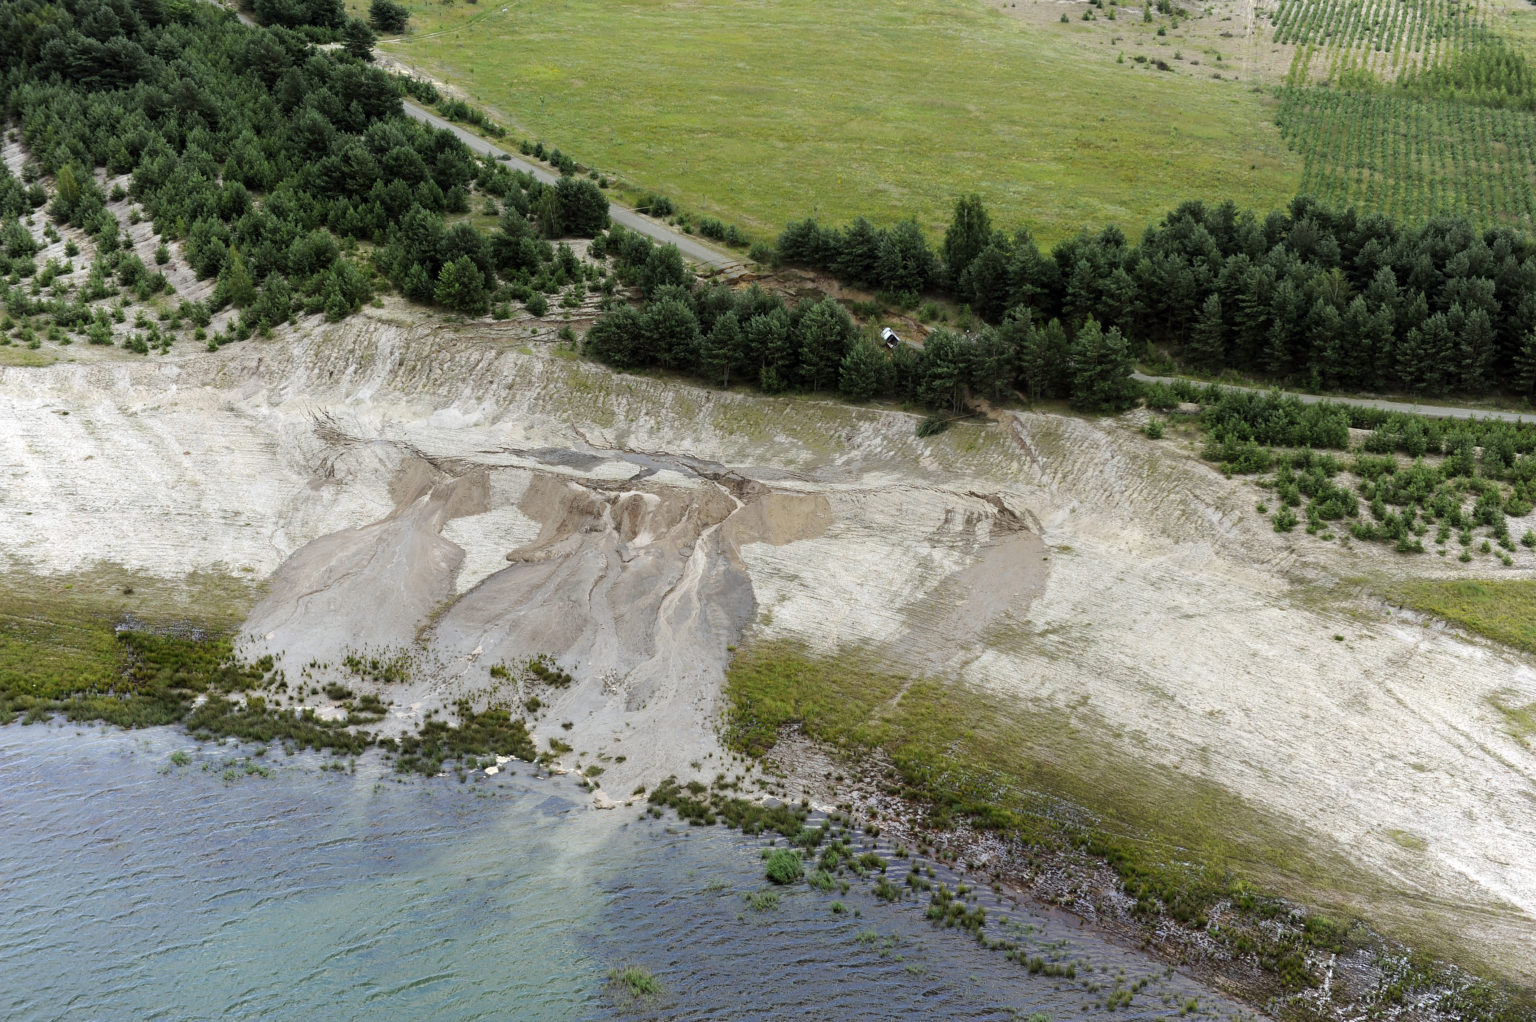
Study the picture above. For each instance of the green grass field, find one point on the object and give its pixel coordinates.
(760, 112)
(1504, 611)
(57, 633)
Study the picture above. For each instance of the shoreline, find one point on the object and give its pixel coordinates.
(1040, 931)
(441, 450)
(1068, 883)
(1084, 887)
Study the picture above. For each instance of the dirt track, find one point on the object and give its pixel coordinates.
(443, 495)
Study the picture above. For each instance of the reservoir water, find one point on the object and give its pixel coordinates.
(136, 888)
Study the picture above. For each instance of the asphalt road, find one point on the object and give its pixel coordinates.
(1411, 408)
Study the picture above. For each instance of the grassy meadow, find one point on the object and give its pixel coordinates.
(1502, 610)
(58, 634)
(759, 112)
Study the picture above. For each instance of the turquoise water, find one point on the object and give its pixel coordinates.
(137, 889)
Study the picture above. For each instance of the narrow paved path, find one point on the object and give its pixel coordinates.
(1410, 408)
(691, 248)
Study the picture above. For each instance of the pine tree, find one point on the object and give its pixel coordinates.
(1349, 355)
(945, 370)
(1525, 365)
(1119, 301)
(1476, 348)
(614, 338)
(1323, 331)
(1101, 369)
(388, 16)
(721, 349)
(825, 331)
(970, 230)
(1207, 346)
(670, 332)
(67, 194)
(664, 267)
(358, 39)
(858, 255)
(863, 372)
(986, 283)
(1424, 355)
(1250, 318)
(1082, 296)
(1033, 279)
(1046, 362)
(417, 285)
(234, 286)
(906, 265)
(461, 287)
(771, 344)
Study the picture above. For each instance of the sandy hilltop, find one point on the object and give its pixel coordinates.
(439, 496)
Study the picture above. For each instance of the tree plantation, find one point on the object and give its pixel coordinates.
(266, 159)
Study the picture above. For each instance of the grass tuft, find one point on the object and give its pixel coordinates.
(634, 981)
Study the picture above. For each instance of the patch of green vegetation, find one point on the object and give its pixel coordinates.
(1404, 839)
(382, 669)
(1521, 720)
(1057, 780)
(700, 807)
(26, 357)
(916, 101)
(634, 981)
(477, 734)
(544, 668)
(134, 651)
(762, 901)
(1502, 610)
(112, 645)
(784, 866)
(252, 720)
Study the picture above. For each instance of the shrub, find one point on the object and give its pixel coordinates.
(932, 425)
(784, 866)
(635, 980)
(762, 901)
(387, 16)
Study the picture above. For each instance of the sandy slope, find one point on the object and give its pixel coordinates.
(445, 495)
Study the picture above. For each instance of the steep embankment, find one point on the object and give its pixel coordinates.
(439, 499)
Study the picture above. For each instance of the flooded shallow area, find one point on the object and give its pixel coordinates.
(232, 887)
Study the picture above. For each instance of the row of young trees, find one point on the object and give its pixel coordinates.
(1310, 295)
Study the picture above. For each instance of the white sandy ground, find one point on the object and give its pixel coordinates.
(441, 492)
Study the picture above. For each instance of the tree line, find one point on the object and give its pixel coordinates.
(1309, 295)
(753, 336)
